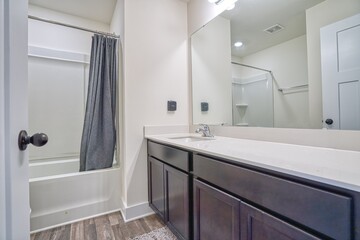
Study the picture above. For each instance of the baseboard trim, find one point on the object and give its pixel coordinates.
(128, 213)
(76, 220)
(136, 211)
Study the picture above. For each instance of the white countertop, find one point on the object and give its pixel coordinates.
(332, 166)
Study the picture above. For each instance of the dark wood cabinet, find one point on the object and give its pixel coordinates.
(169, 185)
(306, 205)
(156, 186)
(206, 198)
(258, 225)
(216, 214)
(177, 201)
(219, 215)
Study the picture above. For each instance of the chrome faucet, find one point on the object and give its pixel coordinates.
(204, 130)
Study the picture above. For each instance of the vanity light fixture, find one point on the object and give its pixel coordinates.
(238, 44)
(230, 3)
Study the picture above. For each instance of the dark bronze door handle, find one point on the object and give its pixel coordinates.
(38, 139)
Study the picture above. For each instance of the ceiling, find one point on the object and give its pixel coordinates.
(251, 17)
(97, 10)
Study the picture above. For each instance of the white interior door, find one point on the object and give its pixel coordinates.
(340, 56)
(14, 181)
(2, 128)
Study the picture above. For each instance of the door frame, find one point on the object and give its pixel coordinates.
(14, 168)
(2, 127)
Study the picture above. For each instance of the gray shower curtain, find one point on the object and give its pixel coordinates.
(99, 131)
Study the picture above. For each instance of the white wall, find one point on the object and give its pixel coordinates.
(211, 72)
(288, 62)
(156, 70)
(201, 12)
(117, 20)
(59, 37)
(318, 16)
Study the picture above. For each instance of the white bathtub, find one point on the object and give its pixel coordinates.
(59, 194)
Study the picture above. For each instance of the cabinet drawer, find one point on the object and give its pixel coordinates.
(171, 156)
(322, 211)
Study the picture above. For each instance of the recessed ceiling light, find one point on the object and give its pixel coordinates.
(238, 44)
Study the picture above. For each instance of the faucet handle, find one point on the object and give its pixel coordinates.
(205, 130)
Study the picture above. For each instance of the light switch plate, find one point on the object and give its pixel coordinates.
(204, 106)
(171, 106)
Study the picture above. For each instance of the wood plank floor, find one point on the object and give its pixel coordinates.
(110, 226)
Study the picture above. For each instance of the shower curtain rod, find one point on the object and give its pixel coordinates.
(72, 26)
(262, 69)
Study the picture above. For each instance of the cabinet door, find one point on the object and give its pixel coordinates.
(216, 214)
(258, 225)
(177, 201)
(156, 186)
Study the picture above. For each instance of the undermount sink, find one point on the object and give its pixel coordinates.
(191, 138)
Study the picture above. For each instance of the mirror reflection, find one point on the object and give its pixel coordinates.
(259, 65)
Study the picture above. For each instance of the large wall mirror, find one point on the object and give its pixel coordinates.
(279, 63)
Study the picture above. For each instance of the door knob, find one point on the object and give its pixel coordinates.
(329, 121)
(38, 139)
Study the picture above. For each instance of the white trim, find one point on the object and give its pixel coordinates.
(16, 118)
(59, 55)
(137, 211)
(55, 177)
(122, 208)
(73, 221)
(129, 214)
(139, 216)
(50, 162)
(2, 128)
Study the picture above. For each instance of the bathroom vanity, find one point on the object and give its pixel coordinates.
(227, 188)
(169, 186)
